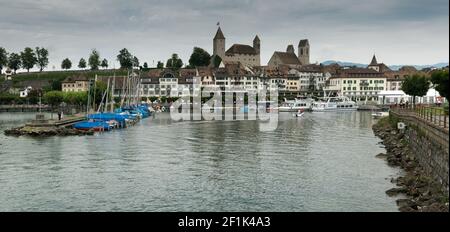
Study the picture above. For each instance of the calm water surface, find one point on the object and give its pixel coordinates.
(321, 162)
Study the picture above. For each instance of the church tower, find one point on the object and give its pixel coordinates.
(374, 64)
(303, 52)
(290, 49)
(219, 44)
(257, 45)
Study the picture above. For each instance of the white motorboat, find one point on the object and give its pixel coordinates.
(295, 105)
(299, 114)
(381, 113)
(334, 104)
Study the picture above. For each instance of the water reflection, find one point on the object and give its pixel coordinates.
(320, 162)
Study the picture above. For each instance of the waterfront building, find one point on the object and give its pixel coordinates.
(75, 84)
(206, 76)
(150, 83)
(395, 78)
(169, 83)
(297, 80)
(357, 83)
(245, 54)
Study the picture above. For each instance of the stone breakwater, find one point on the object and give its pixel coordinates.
(421, 193)
(45, 131)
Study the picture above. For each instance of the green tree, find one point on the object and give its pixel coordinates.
(145, 65)
(99, 90)
(33, 96)
(441, 83)
(14, 62)
(81, 98)
(56, 85)
(3, 59)
(69, 97)
(160, 65)
(199, 57)
(42, 58)
(82, 63)
(53, 98)
(135, 62)
(104, 63)
(66, 64)
(94, 60)
(415, 86)
(216, 60)
(174, 62)
(125, 59)
(28, 58)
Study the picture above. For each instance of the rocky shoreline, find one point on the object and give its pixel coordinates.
(422, 193)
(45, 131)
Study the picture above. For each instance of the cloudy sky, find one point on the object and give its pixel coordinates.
(398, 31)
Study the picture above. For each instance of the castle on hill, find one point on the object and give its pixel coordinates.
(250, 56)
(245, 54)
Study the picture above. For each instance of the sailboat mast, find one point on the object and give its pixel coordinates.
(95, 86)
(112, 92)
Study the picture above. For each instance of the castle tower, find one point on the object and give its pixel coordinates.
(257, 44)
(219, 44)
(303, 52)
(290, 49)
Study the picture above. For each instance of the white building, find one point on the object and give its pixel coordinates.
(26, 91)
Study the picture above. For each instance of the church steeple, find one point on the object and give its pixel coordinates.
(374, 61)
(219, 34)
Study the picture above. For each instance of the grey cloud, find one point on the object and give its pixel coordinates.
(402, 31)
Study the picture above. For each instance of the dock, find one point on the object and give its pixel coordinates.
(67, 121)
(41, 127)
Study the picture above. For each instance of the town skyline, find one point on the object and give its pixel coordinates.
(418, 36)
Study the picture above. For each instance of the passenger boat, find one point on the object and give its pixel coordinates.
(295, 105)
(341, 103)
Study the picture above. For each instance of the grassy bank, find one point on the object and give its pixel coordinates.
(61, 75)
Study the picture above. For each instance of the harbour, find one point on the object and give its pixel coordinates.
(161, 165)
(221, 113)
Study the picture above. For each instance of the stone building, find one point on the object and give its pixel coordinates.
(75, 84)
(245, 54)
(284, 58)
(289, 57)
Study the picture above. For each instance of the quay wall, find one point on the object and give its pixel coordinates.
(430, 145)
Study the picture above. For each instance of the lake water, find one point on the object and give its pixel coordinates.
(321, 162)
